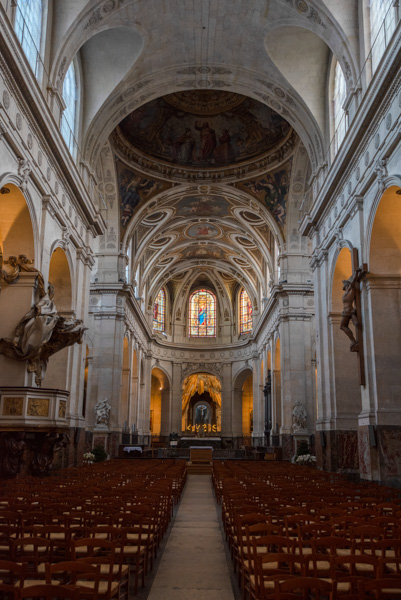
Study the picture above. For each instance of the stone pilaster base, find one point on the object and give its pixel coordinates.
(337, 451)
(380, 453)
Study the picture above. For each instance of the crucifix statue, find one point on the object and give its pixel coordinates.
(352, 312)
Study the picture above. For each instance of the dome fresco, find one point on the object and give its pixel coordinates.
(204, 129)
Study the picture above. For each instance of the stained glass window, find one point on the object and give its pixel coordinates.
(159, 311)
(245, 313)
(28, 27)
(202, 314)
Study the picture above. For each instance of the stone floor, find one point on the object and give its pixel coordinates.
(194, 563)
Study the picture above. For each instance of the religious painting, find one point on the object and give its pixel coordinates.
(159, 311)
(62, 409)
(202, 314)
(245, 313)
(38, 407)
(203, 252)
(12, 407)
(134, 188)
(204, 128)
(203, 206)
(202, 231)
(272, 190)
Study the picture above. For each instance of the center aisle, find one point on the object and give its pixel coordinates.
(194, 563)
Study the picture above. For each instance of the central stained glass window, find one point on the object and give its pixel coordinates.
(159, 311)
(202, 314)
(245, 313)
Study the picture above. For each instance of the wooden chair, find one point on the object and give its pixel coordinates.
(50, 592)
(9, 592)
(102, 553)
(272, 567)
(75, 573)
(307, 588)
(12, 573)
(380, 589)
(33, 553)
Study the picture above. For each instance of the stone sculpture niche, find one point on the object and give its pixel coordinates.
(42, 331)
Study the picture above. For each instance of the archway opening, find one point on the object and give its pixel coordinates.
(57, 374)
(384, 293)
(247, 407)
(159, 417)
(201, 405)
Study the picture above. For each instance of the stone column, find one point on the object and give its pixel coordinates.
(176, 408)
(165, 412)
(236, 418)
(226, 402)
(144, 400)
(258, 419)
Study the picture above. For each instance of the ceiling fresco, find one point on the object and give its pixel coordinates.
(272, 190)
(204, 129)
(134, 190)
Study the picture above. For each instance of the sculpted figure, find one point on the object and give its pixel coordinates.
(49, 445)
(299, 416)
(42, 331)
(349, 309)
(12, 447)
(102, 410)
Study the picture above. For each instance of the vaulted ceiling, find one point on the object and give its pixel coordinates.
(205, 108)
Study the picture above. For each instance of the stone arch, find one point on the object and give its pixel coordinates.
(203, 384)
(345, 384)
(243, 403)
(57, 375)
(18, 235)
(302, 120)
(18, 227)
(383, 299)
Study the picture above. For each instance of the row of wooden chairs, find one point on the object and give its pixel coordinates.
(276, 531)
(114, 522)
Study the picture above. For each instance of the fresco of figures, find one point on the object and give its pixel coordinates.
(185, 129)
(133, 189)
(203, 206)
(272, 190)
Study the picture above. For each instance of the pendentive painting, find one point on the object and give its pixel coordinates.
(272, 190)
(204, 128)
(134, 188)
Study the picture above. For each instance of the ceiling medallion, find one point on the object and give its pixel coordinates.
(204, 102)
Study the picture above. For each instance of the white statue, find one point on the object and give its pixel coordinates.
(299, 416)
(102, 410)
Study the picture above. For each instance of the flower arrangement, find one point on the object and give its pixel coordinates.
(89, 456)
(305, 459)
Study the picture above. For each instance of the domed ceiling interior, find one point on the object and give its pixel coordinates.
(184, 234)
(204, 129)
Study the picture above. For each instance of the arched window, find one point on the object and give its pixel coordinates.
(70, 97)
(382, 25)
(245, 313)
(28, 27)
(202, 314)
(339, 96)
(159, 311)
